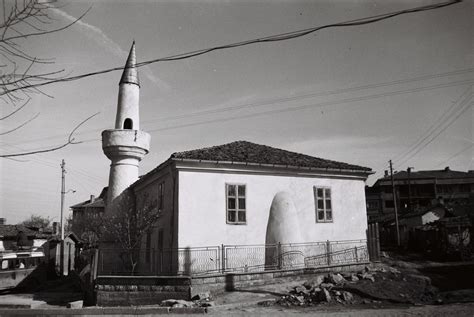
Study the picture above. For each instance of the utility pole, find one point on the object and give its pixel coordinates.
(63, 193)
(409, 189)
(394, 203)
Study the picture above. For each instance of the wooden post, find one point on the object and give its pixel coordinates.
(394, 203)
(93, 260)
(356, 256)
(279, 255)
(96, 263)
(152, 255)
(328, 252)
(223, 258)
(377, 240)
(61, 258)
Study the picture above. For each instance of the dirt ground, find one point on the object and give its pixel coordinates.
(398, 285)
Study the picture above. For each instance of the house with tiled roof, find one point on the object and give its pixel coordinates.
(254, 202)
(86, 216)
(242, 193)
(418, 191)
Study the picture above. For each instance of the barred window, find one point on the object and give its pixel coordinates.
(236, 204)
(323, 204)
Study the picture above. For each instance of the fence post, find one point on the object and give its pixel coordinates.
(223, 258)
(161, 261)
(93, 261)
(369, 242)
(96, 262)
(328, 252)
(377, 240)
(356, 255)
(279, 255)
(152, 252)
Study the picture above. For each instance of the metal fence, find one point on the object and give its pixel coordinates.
(232, 258)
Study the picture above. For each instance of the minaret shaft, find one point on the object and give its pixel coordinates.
(125, 145)
(127, 107)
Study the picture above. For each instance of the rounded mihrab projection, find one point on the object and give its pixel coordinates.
(283, 227)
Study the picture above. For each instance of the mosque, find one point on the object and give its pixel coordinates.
(237, 194)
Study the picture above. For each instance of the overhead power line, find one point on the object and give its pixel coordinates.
(268, 39)
(433, 128)
(446, 116)
(464, 108)
(272, 101)
(470, 146)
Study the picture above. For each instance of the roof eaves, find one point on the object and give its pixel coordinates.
(364, 171)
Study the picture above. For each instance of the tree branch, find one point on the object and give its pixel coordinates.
(70, 140)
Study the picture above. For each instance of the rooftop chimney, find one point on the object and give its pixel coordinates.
(92, 198)
(2, 221)
(446, 169)
(385, 173)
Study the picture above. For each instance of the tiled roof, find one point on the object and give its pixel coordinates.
(247, 152)
(97, 203)
(10, 231)
(438, 174)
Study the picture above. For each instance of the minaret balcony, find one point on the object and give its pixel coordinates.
(125, 143)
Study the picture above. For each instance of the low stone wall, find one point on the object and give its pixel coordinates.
(217, 284)
(149, 290)
(140, 290)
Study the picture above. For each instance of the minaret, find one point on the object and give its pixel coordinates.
(125, 145)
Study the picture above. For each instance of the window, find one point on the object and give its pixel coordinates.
(372, 204)
(322, 199)
(128, 124)
(161, 196)
(236, 208)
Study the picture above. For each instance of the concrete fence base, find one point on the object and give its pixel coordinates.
(140, 290)
(151, 290)
(218, 284)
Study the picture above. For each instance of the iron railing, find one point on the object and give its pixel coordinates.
(223, 259)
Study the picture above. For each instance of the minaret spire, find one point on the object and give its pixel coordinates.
(130, 72)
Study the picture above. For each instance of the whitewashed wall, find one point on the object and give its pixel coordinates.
(202, 208)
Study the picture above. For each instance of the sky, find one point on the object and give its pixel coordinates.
(361, 95)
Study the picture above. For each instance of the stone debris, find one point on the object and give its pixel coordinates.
(177, 303)
(201, 296)
(336, 279)
(199, 300)
(321, 290)
(347, 296)
(367, 276)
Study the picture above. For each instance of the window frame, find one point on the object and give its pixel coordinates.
(236, 209)
(324, 199)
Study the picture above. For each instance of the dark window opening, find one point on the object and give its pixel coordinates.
(128, 124)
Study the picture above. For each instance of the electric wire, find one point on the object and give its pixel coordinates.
(273, 101)
(272, 38)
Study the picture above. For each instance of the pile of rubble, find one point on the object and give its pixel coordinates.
(200, 300)
(327, 289)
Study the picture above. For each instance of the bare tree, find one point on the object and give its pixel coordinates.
(20, 70)
(128, 224)
(37, 221)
